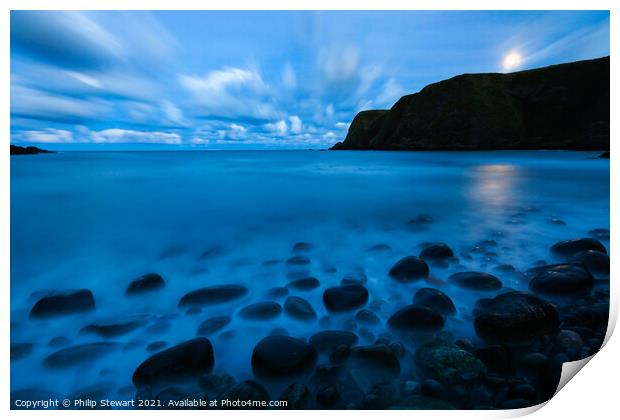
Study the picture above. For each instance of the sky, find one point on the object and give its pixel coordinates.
(191, 80)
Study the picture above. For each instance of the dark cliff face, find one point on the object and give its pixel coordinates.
(564, 106)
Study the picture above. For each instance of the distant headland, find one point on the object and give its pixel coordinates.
(30, 150)
(563, 106)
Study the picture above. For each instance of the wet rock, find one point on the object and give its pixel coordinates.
(354, 278)
(58, 341)
(328, 341)
(516, 317)
(214, 324)
(379, 248)
(216, 384)
(340, 354)
(377, 361)
(367, 317)
(247, 391)
(435, 299)
(327, 395)
(416, 319)
(409, 269)
(146, 283)
(64, 302)
(599, 233)
(420, 221)
(562, 280)
(277, 292)
(113, 329)
(345, 298)
(473, 280)
(20, 350)
(438, 251)
(299, 309)
(212, 252)
(505, 268)
(594, 261)
(184, 361)
(432, 388)
(297, 396)
(79, 354)
(261, 311)
(213, 295)
(302, 247)
(496, 357)
(298, 260)
(449, 364)
(279, 357)
(570, 248)
(304, 284)
(156, 346)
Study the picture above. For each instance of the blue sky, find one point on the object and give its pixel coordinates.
(277, 80)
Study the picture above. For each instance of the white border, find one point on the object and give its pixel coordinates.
(593, 394)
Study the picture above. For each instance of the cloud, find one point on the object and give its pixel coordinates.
(278, 128)
(296, 124)
(289, 78)
(50, 135)
(65, 38)
(119, 135)
(230, 92)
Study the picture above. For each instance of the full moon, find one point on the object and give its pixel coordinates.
(512, 60)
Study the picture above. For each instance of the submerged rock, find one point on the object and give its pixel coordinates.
(299, 308)
(213, 295)
(599, 233)
(409, 269)
(298, 260)
(438, 251)
(570, 248)
(279, 357)
(181, 362)
(449, 364)
(379, 248)
(435, 299)
(76, 355)
(64, 302)
(377, 360)
(20, 350)
(345, 298)
(474, 280)
(367, 317)
(261, 311)
(146, 283)
(516, 317)
(562, 280)
(327, 341)
(304, 284)
(416, 319)
(214, 324)
(277, 292)
(595, 262)
(297, 396)
(112, 330)
(302, 247)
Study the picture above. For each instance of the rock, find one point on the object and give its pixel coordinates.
(409, 269)
(438, 251)
(299, 309)
(516, 317)
(345, 298)
(367, 317)
(146, 283)
(297, 397)
(112, 330)
(435, 299)
(213, 295)
(20, 350)
(279, 357)
(78, 354)
(211, 325)
(432, 388)
(66, 302)
(496, 357)
(420, 220)
(29, 150)
(477, 281)
(379, 248)
(58, 341)
(568, 249)
(376, 360)
(505, 268)
(277, 292)
(354, 278)
(449, 364)
(304, 284)
(599, 233)
(261, 311)
(298, 260)
(484, 108)
(327, 395)
(216, 384)
(340, 354)
(594, 261)
(302, 247)
(416, 319)
(184, 361)
(247, 391)
(156, 346)
(328, 341)
(562, 280)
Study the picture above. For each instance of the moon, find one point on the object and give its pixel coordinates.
(512, 60)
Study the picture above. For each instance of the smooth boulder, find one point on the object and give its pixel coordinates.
(474, 280)
(213, 295)
(280, 357)
(570, 248)
(435, 299)
(184, 361)
(345, 298)
(65, 302)
(146, 283)
(299, 309)
(416, 319)
(327, 341)
(449, 364)
(409, 269)
(562, 280)
(214, 324)
(261, 311)
(438, 251)
(304, 284)
(78, 354)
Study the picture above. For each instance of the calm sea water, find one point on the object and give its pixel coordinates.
(99, 220)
